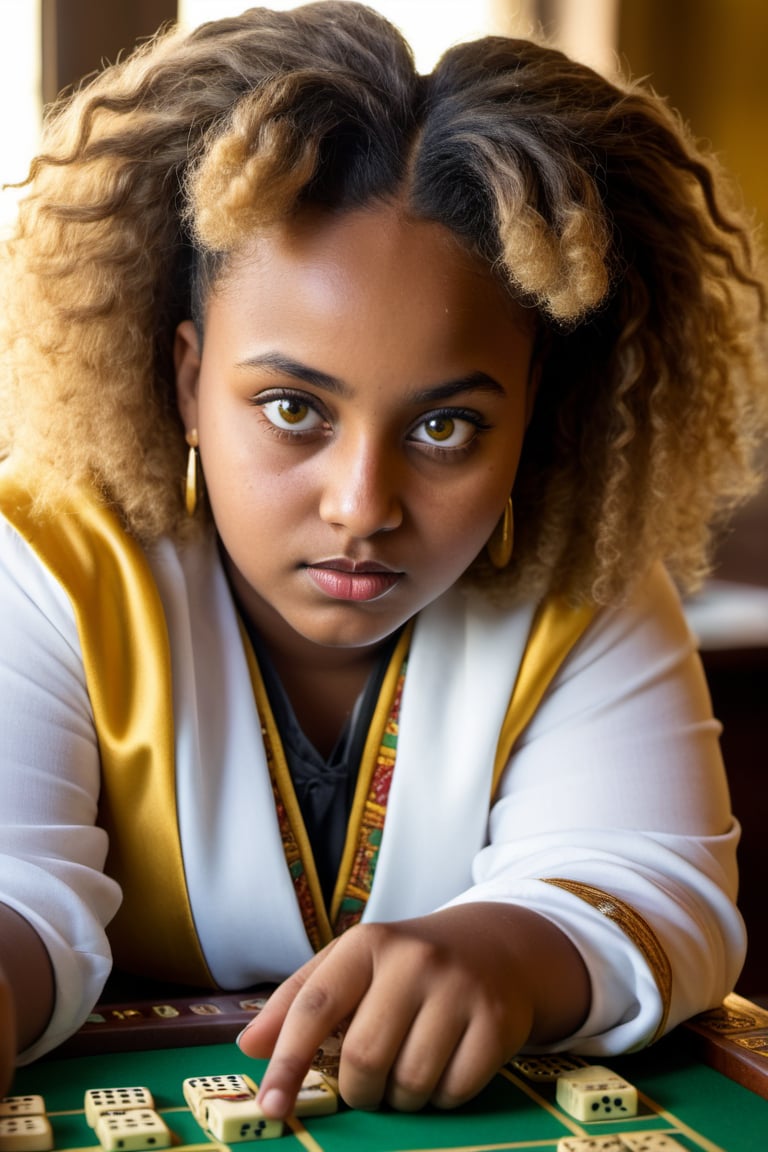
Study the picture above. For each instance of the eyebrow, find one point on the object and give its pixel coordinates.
(284, 365)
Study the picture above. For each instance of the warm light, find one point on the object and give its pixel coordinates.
(20, 100)
(430, 26)
(588, 31)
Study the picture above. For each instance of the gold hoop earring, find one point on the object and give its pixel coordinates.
(190, 487)
(499, 546)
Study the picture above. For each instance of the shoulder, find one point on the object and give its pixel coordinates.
(647, 625)
(77, 563)
(29, 592)
(83, 544)
(636, 664)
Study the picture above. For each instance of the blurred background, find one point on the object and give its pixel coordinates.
(709, 58)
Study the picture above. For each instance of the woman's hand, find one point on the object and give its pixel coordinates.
(7, 1035)
(26, 989)
(432, 1007)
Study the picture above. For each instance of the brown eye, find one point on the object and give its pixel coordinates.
(290, 412)
(445, 430)
(439, 428)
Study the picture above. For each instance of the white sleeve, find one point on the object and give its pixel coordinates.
(618, 784)
(51, 852)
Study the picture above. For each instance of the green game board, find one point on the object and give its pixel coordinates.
(702, 1109)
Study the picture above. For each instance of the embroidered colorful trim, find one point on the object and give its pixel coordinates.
(293, 856)
(368, 839)
(372, 820)
(636, 928)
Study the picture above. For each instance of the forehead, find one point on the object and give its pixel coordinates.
(377, 269)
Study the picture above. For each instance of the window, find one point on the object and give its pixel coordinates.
(430, 26)
(20, 99)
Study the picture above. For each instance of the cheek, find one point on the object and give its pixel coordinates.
(484, 503)
(227, 442)
(457, 526)
(251, 488)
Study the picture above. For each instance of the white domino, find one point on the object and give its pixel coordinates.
(316, 1096)
(198, 1089)
(232, 1121)
(590, 1144)
(596, 1093)
(132, 1130)
(25, 1134)
(100, 1100)
(22, 1106)
(650, 1142)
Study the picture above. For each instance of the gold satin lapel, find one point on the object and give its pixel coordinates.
(556, 627)
(122, 630)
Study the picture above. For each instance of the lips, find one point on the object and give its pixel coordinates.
(355, 580)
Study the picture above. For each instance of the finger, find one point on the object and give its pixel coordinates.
(474, 1062)
(374, 1039)
(259, 1037)
(432, 1041)
(330, 994)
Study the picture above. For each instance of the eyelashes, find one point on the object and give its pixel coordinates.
(291, 413)
(297, 416)
(448, 429)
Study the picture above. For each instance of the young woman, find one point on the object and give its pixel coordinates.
(358, 425)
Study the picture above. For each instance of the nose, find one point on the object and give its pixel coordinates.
(361, 487)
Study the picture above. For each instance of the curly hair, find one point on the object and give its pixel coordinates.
(588, 198)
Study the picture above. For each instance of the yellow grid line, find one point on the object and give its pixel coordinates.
(566, 1120)
(524, 1144)
(680, 1126)
(676, 1126)
(301, 1134)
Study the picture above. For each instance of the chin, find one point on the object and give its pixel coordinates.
(342, 636)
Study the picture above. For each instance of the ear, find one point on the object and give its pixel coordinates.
(186, 360)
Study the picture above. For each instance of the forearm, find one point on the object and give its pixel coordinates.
(28, 974)
(652, 917)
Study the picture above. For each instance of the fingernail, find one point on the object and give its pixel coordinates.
(241, 1034)
(275, 1104)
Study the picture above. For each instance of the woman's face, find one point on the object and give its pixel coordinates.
(360, 402)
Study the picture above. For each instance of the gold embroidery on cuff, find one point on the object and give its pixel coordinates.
(636, 928)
